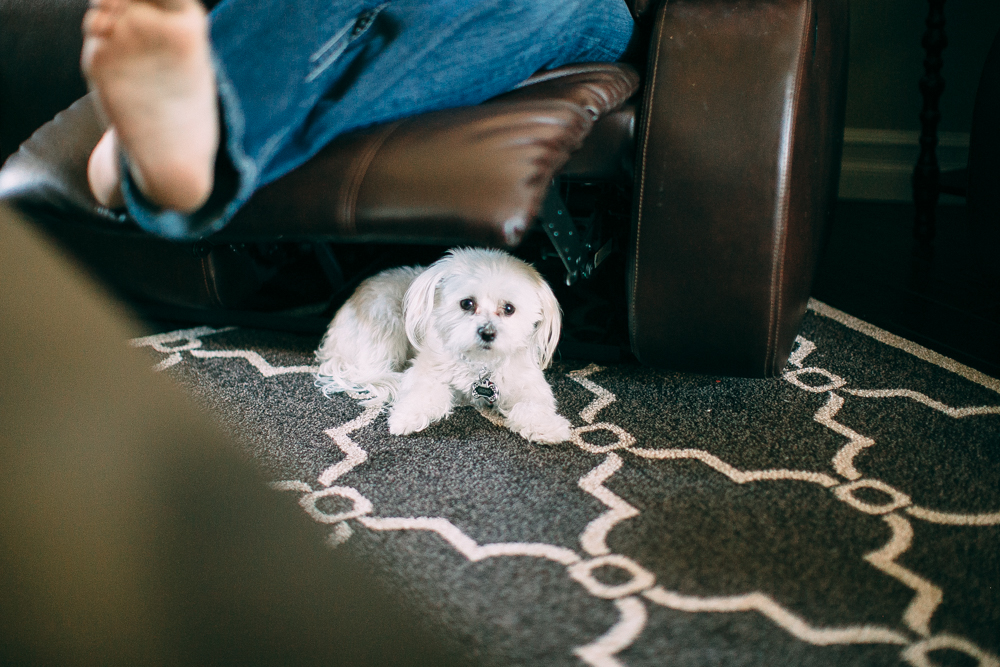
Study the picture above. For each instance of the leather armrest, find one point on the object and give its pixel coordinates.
(737, 164)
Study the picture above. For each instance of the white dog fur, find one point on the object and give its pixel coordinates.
(418, 339)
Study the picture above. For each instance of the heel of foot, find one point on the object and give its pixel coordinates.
(103, 173)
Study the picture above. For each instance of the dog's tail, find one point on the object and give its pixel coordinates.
(381, 391)
(365, 349)
(371, 386)
(370, 373)
(361, 360)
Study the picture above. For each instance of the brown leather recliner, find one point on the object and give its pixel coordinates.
(728, 158)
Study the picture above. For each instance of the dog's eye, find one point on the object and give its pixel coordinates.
(467, 305)
(508, 309)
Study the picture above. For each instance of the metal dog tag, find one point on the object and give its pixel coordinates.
(485, 389)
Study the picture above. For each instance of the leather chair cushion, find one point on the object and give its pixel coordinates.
(737, 166)
(608, 152)
(467, 175)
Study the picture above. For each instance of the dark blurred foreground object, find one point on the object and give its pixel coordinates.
(130, 532)
(714, 183)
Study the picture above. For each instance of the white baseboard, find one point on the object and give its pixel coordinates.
(878, 164)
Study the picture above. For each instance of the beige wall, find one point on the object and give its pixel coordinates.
(887, 61)
(881, 142)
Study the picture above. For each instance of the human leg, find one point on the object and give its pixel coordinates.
(422, 56)
(294, 74)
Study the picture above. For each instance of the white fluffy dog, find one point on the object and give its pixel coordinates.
(476, 327)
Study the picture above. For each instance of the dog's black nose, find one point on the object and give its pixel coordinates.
(487, 332)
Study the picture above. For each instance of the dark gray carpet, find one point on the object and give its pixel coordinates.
(845, 514)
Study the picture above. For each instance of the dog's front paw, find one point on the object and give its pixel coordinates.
(420, 404)
(538, 424)
(411, 416)
(405, 422)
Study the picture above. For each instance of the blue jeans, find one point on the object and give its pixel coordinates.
(294, 74)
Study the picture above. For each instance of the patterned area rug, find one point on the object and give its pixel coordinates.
(847, 513)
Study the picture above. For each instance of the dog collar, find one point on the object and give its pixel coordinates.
(485, 389)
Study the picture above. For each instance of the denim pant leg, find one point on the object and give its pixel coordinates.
(294, 74)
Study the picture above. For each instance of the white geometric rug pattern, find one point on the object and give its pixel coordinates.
(638, 586)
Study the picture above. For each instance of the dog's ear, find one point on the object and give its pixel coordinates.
(546, 335)
(418, 302)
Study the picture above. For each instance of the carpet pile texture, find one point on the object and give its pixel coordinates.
(846, 513)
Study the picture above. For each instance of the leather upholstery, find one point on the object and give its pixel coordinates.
(49, 170)
(608, 154)
(469, 175)
(465, 175)
(738, 160)
(39, 67)
(732, 153)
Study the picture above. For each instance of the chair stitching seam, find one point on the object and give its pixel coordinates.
(781, 230)
(651, 82)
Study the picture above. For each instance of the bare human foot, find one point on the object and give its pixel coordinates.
(149, 63)
(103, 173)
